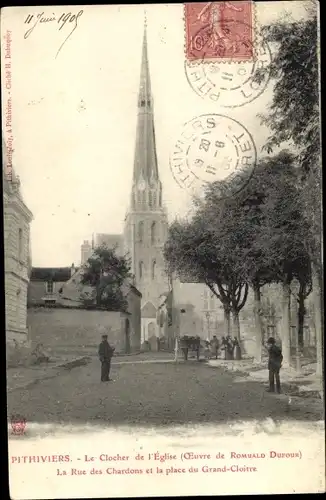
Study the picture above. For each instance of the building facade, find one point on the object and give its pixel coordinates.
(72, 296)
(17, 220)
(46, 284)
(146, 222)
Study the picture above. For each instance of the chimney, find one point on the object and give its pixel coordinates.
(72, 269)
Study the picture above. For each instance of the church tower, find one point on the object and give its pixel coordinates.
(146, 221)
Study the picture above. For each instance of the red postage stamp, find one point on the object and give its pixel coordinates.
(219, 31)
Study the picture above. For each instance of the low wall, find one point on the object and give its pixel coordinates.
(76, 330)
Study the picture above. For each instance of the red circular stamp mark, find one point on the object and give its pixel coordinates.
(214, 148)
(217, 31)
(18, 425)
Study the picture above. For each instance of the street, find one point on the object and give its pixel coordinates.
(152, 389)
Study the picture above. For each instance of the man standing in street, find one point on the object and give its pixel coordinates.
(105, 352)
(274, 365)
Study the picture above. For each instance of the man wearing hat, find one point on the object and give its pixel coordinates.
(274, 365)
(105, 352)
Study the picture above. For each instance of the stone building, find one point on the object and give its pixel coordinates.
(46, 284)
(146, 222)
(17, 220)
(127, 335)
(145, 232)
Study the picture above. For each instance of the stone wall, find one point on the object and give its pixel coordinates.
(78, 330)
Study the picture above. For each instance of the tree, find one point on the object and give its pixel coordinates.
(106, 272)
(294, 117)
(206, 249)
(286, 232)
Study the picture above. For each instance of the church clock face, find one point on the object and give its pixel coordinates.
(141, 185)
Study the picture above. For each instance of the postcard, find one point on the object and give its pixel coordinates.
(163, 249)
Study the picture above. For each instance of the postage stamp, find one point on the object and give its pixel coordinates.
(214, 148)
(219, 31)
(232, 84)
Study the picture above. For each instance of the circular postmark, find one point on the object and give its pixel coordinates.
(231, 82)
(214, 148)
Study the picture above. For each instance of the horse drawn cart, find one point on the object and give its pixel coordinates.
(190, 344)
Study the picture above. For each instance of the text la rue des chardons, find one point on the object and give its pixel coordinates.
(118, 464)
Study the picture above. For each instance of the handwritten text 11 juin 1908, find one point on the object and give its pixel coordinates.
(61, 21)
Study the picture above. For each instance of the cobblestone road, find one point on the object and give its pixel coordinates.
(152, 393)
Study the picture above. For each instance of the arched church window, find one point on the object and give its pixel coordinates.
(142, 103)
(143, 195)
(150, 199)
(154, 199)
(141, 269)
(141, 231)
(153, 269)
(153, 233)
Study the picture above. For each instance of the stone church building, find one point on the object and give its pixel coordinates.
(146, 222)
(145, 232)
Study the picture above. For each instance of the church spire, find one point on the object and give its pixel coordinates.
(145, 163)
(144, 95)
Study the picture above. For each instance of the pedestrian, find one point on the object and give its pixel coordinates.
(184, 344)
(224, 347)
(215, 346)
(207, 350)
(236, 349)
(274, 365)
(229, 348)
(105, 352)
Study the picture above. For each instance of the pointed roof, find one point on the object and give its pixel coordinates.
(145, 80)
(145, 163)
(148, 310)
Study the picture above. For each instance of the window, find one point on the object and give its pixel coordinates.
(154, 199)
(20, 244)
(153, 269)
(141, 231)
(18, 303)
(49, 287)
(150, 199)
(141, 269)
(153, 233)
(50, 302)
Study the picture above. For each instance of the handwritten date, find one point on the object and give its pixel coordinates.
(69, 19)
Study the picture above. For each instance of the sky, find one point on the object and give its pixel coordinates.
(74, 115)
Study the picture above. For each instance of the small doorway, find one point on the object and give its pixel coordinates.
(127, 334)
